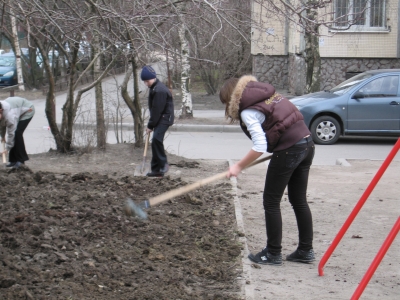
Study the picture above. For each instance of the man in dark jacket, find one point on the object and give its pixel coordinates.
(161, 108)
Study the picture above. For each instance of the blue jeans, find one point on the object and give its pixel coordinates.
(289, 167)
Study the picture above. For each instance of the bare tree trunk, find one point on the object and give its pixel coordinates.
(72, 102)
(50, 97)
(101, 127)
(17, 51)
(313, 63)
(68, 122)
(100, 123)
(68, 108)
(137, 117)
(311, 52)
(168, 72)
(134, 104)
(187, 106)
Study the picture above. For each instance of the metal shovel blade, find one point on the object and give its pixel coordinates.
(133, 209)
(144, 167)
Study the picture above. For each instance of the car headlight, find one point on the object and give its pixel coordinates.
(9, 74)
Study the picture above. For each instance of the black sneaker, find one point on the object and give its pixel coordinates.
(10, 164)
(17, 165)
(266, 258)
(165, 169)
(301, 256)
(155, 174)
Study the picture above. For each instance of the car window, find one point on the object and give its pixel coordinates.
(381, 87)
(7, 61)
(394, 86)
(349, 83)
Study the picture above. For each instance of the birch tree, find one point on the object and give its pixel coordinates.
(17, 49)
(187, 107)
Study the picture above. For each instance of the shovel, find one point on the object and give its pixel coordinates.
(4, 154)
(144, 167)
(132, 209)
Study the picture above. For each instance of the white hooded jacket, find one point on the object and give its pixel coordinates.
(15, 109)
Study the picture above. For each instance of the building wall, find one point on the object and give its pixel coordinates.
(358, 43)
(271, 69)
(342, 53)
(333, 71)
(296, 78)
(336, 70)
(268, 33)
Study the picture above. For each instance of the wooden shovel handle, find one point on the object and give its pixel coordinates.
(4, 155)
(190, 187)
(146, 144)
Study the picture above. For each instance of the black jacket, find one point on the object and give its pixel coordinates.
(161, 105)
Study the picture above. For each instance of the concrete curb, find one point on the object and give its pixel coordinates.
(247, 286)
(343, 162)
(175, 127)
(205, 128)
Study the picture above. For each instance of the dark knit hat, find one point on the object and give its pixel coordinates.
(148, 73)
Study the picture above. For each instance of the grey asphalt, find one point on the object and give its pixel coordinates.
(216, 141)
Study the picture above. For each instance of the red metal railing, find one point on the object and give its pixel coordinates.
(377, 260)
(352, 216)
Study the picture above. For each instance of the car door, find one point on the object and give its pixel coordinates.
(375, 107)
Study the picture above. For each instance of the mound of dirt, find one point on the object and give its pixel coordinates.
(64, 235)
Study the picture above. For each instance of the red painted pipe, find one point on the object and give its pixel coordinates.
(358, 206)
(377, 260)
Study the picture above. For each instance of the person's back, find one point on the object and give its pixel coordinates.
(15, 115)
(161, 112)
(22, 108)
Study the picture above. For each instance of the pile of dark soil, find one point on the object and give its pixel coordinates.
(65, 236)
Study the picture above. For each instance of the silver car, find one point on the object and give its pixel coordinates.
(366, 104)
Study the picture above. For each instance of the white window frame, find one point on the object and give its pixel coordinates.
(361, 28)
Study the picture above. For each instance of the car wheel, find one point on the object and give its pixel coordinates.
(325, 130)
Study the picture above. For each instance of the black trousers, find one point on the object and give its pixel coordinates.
(18, 152)
(289, 167)
(159, 158)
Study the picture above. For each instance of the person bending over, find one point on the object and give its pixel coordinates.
(274, 125)
(15, 115)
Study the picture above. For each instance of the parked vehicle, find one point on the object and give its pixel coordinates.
(52, 59)
(8, 67)
(8, 70)
(366, 104)
(56, 60)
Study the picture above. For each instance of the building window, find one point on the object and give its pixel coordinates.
(360, 15)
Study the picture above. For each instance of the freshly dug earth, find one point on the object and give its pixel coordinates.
(64, 234)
